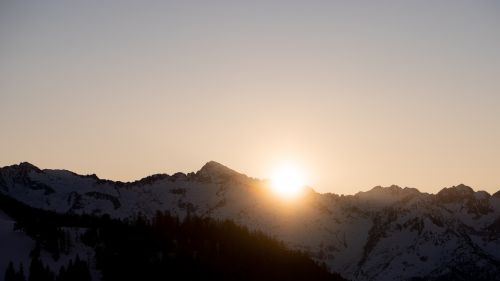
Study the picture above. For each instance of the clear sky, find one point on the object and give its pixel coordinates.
(358, 93)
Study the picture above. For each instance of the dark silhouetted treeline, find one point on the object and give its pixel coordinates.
(74, 271)
(164, 248)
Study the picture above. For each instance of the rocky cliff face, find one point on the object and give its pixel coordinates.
(387, 233)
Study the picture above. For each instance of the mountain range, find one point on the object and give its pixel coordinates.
(386, 233)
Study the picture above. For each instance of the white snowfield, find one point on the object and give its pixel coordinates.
(387, 233)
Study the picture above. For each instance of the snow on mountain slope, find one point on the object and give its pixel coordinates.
(16, 247)
(389, 233)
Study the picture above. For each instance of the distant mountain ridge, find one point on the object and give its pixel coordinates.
(386, 233)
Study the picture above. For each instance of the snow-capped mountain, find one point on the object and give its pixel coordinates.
(387, 233)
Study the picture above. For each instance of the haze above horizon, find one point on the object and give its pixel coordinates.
(357, 94)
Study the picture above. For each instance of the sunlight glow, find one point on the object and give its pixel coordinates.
(287, 182)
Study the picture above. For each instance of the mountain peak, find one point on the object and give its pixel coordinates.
(461, 189)
(213, 168)
(27, 164)
(456, 193)
(387, 188)
(27, 167)
(393, 189)
(386, 195)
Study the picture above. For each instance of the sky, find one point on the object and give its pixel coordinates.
(356, 93)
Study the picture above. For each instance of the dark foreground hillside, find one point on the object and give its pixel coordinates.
(162, 249)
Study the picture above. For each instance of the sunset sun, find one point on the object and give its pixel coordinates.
(287, 181)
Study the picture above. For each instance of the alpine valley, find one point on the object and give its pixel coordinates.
(386, 233)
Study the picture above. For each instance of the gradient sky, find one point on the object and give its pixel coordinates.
(358, 93)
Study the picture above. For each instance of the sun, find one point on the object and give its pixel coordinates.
(288, 181)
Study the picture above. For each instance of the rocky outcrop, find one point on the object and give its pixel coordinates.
(386, 233)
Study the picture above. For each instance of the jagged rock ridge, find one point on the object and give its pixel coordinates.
(387, 233)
